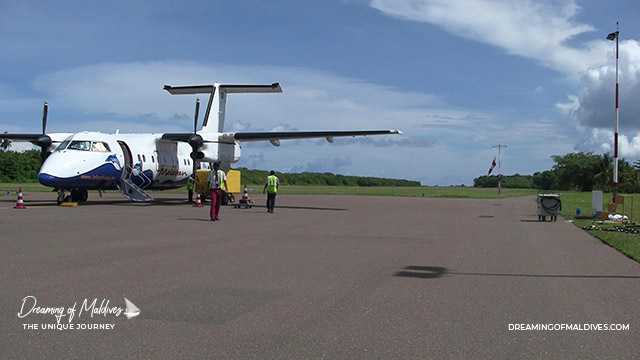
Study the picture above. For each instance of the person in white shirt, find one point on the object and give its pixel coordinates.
(217, 177)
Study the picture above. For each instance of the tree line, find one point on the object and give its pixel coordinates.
(330, 179)
(581, 171)
(24, 166)
(18, 167)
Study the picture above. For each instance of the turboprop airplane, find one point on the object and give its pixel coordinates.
(136, 163)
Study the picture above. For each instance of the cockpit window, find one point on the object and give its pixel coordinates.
(85, 145)
(100, 146)
(63, 145)
(80, 145)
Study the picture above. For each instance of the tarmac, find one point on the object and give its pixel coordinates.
(335, 277)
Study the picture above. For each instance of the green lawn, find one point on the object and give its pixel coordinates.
(26, 187)
(408, 191)
(628, 244)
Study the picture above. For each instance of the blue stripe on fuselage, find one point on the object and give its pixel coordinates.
(103, 177)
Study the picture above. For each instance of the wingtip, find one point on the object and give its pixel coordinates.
(397, 132)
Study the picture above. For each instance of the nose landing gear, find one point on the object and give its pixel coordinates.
(75, 196)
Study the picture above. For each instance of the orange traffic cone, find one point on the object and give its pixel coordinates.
(245, 195)
(20, 202)
(198, 201)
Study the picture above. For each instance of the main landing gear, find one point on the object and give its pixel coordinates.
(75, 196)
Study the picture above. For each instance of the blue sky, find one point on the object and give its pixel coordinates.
(457, 77)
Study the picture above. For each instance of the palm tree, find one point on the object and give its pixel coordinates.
(602, 176)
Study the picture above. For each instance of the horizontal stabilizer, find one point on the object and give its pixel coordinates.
(229, 89)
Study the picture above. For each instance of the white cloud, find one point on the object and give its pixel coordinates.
(536, 30)
(544, 32)
(334, 164)
(597, 99)
(570, 107)
(601, 141)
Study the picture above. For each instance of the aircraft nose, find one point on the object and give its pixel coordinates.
(68, 171)
(50, 172)
(47, 179)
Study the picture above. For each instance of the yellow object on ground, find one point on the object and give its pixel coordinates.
(233, 181)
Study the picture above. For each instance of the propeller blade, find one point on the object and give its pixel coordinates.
(195, 119)
(45, 110)
(194, 147)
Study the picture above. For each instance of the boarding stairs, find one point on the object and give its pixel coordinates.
(132, 191)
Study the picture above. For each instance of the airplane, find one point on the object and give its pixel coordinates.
(136, 163)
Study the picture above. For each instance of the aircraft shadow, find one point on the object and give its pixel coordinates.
(431, 272)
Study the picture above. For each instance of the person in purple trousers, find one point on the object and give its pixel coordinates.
(217, 177)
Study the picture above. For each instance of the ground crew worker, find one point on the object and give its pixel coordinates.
(217, 177)
(271, 187)
(190, 186)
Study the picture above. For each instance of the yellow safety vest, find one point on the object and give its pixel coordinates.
(272, 180)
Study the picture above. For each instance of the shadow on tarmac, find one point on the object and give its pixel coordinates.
(421, 272)
(431, 272)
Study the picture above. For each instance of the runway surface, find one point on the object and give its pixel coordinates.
(323, 277)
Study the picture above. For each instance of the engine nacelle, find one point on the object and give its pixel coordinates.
(221, 152)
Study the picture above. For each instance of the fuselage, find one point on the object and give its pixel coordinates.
(98, 161)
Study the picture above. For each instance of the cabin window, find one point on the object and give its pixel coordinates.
(144, 159)
(80, 145)
(139, 158)
(63, 145)
(153, 160)
(100, 146)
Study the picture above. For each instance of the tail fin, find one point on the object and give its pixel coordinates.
(214, 116)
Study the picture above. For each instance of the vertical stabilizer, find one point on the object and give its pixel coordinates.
(215, 115)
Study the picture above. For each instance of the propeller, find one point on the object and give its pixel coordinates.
(196, 141)
(44, 141)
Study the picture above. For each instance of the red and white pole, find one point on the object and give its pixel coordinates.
(615, 137)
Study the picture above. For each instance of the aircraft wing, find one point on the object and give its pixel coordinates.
(274, 137)
(37, 139)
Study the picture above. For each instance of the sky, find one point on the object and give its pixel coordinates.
(458, 78)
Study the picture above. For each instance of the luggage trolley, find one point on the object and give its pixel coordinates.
(548, 205)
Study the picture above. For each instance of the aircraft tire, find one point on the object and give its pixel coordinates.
(84, 195)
